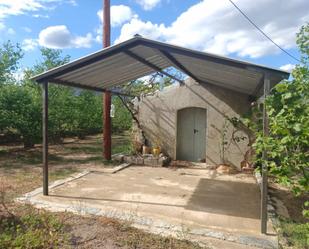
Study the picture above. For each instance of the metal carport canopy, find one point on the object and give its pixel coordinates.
(139, 56)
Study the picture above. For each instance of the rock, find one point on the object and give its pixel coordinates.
(118, 157)
(163, 161)
(129, 159)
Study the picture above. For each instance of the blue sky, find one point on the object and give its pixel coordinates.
(210, 25)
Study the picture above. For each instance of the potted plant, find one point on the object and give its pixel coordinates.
(156, 150)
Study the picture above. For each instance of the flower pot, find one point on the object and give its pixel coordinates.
(156, 151)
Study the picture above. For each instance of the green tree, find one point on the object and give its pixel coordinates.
(61, 98)
(288, 108)
(87, 113)
(10, 55)
(122, 121)
(20, 113)
(19, 106)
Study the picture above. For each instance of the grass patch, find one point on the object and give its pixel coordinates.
(95, 149)
(122, 148)
(296, 234)
(130, 237)
(32, 228)
(62, 173)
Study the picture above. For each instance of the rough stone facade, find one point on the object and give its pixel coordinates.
(157, 115)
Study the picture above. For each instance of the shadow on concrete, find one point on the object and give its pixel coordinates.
(212, 196)
(113, 200)
(225, 197)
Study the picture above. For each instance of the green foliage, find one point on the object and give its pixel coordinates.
(20, 111)
(306, 209)
(125, 148)
(34, 229)
(10, 55)
(288, 110)
(51, 58)
(71, 111)
(297, 234)
(87, 111)
(122, 120)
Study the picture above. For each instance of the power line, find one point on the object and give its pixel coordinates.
(257, 27)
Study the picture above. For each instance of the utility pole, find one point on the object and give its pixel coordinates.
(107, 95)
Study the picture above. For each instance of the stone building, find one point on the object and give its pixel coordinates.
(191, 122)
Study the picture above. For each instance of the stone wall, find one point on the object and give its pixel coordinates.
(158, 118)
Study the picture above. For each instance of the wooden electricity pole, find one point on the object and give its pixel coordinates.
(107, 95)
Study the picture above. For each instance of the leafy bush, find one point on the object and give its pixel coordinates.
(288, 142)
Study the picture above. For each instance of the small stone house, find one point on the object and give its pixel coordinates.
(191, 122)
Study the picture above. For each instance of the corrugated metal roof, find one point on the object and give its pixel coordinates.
(138, 57)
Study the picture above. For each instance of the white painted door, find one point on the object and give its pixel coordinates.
(191, 134)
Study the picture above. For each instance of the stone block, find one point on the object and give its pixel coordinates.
(151, 161)
(128, 159)
(139, 161)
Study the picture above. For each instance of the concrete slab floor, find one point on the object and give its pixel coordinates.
(184, 202)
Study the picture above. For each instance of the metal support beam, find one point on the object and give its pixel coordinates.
(154, 67)
(107, 136)
(45, 136)
(97, 89)
(178, 65)
(264, 186)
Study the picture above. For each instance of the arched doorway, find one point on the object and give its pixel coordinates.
(191, 134)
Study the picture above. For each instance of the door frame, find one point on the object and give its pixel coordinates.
(176, 129)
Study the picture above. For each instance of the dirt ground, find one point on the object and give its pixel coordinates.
(293, 204)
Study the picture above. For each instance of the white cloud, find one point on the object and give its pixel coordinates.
(17, 7)
(72, 2)
(29, 44)
(147, 29)
(288, 67)
(5, 30)
(20, 7)
(40, 16)
(11, 31)
(119, 15)
(148, 4)
(60, 37)
(217, 27)
(27, 29)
